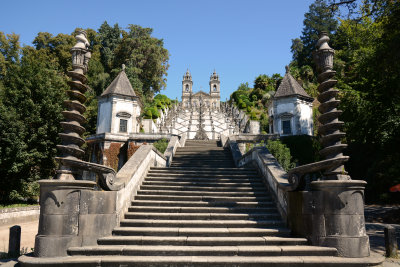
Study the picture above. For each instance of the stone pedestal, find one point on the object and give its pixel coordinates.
(59, 216)
(338, 218)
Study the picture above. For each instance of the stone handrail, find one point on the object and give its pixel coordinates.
(277, 179)
(273, 174)
(133, 172)
(182, 141)
(231, 143)
(169, 153)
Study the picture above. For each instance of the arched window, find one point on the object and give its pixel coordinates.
(187, 88)
(215, 88)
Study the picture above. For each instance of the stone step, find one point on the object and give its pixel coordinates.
(213, 183)
(201, 216)
(208, 146)
(201, 142)
(217, 185)
(221, 187)
(171, 203)
(201, 157)
(190, 174)
(228, 211)
(197, 261)
(202, 179)
(201, 223)
(234, 169)
(203, 199)
(195, 231)
(202, 161)
(201, 148)
(222, 163)
(202, 154)
(201, 145)
(201, 241)
(201, 193)
(200, 165)
(165, 250)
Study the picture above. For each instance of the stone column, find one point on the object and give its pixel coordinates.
(338, 201)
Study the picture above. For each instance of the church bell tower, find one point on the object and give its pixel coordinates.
(215, 90)
(187, 86)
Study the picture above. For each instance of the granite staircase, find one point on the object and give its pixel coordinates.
(202, 211)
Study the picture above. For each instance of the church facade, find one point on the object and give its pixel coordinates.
(193, 100)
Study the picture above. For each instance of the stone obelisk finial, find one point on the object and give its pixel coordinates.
(71, 140)
(330, 128)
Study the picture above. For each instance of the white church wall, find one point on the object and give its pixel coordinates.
(306, 118)
(149, 126)
(284, 107)
(298, 111)
(122, 105)
(104, 117)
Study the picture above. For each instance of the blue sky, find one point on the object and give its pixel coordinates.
(240, 39)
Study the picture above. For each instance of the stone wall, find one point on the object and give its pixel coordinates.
(19, 215)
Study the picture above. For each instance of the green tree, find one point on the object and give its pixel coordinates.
(110, 39)
(318, 18)
(261, 82)
(31, 113)
(146, 60)
(296, 48)
(370, 100)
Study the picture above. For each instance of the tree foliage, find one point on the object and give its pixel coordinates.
(318, 18)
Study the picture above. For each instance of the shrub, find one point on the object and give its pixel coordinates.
(303, 148)
(282, 154)
(148, 114)
(155, 113)
(241, 104)
(253, 115)
(161, 145)
(264, 124)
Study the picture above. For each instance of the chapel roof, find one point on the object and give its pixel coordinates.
(201, 93)
(120, 86)
(290, 87)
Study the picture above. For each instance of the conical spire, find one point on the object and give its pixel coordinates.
(120, 85)
(290, 87)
